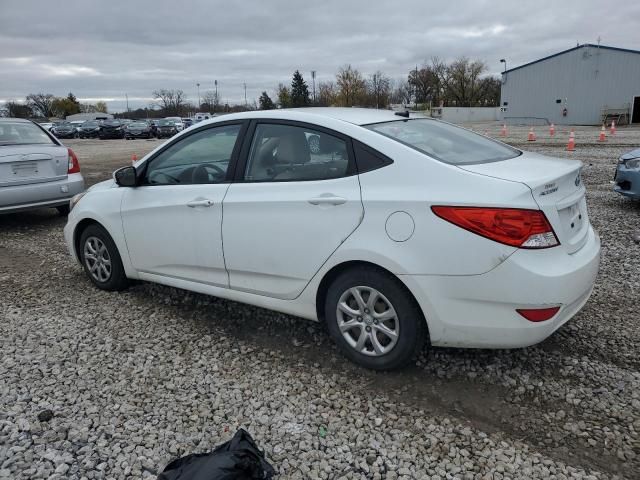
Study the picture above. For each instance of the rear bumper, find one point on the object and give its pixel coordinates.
(479, 311)
(627, 182)
(40, 195)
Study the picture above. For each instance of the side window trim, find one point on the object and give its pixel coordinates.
(241, 166)
(385, 160)
(244, 124)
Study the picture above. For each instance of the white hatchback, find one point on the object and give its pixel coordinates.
(392, 230)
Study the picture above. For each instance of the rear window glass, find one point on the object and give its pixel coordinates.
(23, 133)
(445, 142)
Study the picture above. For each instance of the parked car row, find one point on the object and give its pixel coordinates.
(118, 128)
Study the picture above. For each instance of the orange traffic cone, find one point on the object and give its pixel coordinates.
(532, 135)
(602, 137)
(613, 127)
(552, 130)
(503, 131)
(134, 158)
(571, 146)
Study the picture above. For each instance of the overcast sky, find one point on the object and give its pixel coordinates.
(104, 49)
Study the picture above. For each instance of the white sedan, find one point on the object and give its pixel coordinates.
(394, 230)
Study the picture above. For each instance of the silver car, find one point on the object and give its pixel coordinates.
(36, 170)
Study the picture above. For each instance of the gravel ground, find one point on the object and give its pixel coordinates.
(115, 385)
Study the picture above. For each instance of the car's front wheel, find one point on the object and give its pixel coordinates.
(101, 260)
(374, 319)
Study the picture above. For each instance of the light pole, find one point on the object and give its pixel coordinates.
(198, 85)
(504, 73)
(245, 94)
(313, 79)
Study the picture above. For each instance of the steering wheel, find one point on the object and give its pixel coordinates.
(201, 174)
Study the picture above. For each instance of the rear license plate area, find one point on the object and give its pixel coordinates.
(23, 170)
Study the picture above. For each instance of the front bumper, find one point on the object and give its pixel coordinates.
(479, 311)
(89, 134)
(40, 195)
(627, 181)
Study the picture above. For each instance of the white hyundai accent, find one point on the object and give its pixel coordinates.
(392, 230)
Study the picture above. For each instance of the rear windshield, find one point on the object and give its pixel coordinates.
(445, 142)
(23, 133)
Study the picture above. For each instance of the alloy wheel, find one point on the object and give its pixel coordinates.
(367, 320)
(97, 259)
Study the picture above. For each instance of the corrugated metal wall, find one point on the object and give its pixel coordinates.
(586, 80)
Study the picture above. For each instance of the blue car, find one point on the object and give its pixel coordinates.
(627, 179)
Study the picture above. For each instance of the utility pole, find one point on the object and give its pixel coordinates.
(313, 79)
(245, 94)
(127, 97)
(215, 82)
(198, 85)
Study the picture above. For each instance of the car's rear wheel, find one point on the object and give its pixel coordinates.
(101, 259)
(374, 319)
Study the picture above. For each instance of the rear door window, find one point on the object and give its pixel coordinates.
(293, 153)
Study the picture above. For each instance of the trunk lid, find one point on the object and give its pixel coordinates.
(26, 164)
(556, 187)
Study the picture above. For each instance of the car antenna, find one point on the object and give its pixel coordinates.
(404, 114)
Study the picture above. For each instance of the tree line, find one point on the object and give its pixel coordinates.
(461, 83)
(46, 105)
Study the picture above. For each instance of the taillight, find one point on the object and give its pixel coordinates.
(517, 227)
(538, 314)
(74, 166)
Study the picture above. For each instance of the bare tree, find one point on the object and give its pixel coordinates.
(464, 82)
(210, 101)
(171, 101)
(351, 86)
(41, 103)
(379, 89)
(327, 94)
(402, 93)
(17, 110)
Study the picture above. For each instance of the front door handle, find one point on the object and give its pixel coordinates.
(327, 199)
(200, 203)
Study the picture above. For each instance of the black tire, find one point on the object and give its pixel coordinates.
(411, 324)
(63, 210)
(117, 279)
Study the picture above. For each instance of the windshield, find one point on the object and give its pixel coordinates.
(445, 142)
(23, 133)
(164, 123)
(138, 124)
(112, 123)
(90, 124)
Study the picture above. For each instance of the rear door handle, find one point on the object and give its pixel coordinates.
(327, 199)
(200, 203)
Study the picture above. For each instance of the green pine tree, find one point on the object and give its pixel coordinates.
(265, 102)
(299, 91)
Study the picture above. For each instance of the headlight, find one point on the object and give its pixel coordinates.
(75, 199)
(632, 164)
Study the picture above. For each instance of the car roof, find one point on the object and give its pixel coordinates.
(356, 116)
(12, 119)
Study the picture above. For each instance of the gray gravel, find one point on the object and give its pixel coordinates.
(104, 385)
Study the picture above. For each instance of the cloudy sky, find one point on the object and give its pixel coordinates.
(108, 48)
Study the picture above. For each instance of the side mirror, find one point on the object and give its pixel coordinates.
(125, 177)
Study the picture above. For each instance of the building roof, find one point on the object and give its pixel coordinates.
(584, 45)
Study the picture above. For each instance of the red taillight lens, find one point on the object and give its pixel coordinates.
(512, 226)
(538, 314)
(74, 166)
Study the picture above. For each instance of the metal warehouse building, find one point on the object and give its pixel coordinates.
(585, 85)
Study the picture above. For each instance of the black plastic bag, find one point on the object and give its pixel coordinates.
(237, 459)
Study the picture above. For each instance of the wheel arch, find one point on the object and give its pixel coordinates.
(336, 270)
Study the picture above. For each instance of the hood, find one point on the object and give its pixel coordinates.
(632, 154)
(103, 185)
